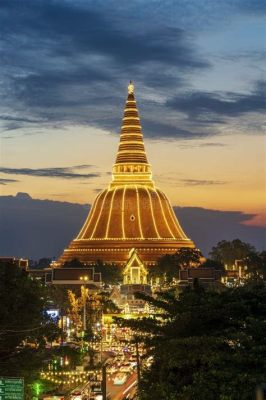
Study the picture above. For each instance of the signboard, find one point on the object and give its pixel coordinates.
(54, 314)
(11, 388)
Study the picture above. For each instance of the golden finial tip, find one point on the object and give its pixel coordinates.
(130, 88)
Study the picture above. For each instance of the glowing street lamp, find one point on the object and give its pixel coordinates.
(37, 389)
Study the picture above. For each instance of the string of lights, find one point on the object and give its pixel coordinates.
(67, 377)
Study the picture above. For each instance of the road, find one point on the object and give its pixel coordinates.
(118, 392)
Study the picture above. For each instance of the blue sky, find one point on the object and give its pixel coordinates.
(199, 71)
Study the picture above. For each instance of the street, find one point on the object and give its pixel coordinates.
(119, 392)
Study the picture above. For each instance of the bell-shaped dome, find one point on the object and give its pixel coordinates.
(131, 212)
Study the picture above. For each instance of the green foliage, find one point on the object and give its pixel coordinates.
(217, 265)
(205, 345)
(74, 263)
(24, 326)
(107, 305)
(111, 273)
(165, 269)
(256, 264)
(228, 252)
(43, 263)
(58, 296)
(168, 266)
(73, 354)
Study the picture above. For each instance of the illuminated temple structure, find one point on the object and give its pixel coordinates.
(131, 212)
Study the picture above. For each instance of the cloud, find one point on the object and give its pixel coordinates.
(97, 190)
(90, 50)
(206, 227)
(88, 54)
(159, 130)
(4, 181)
(253, 7)
(63, 172)
(201, 182)
(70, 28)
(210, 144)
(202, 105)
(207, 144)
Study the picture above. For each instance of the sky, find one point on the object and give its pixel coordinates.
(198, 67)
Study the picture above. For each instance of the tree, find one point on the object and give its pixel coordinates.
(165, 269)
(186, 257)
(204, 344)
(74, 263)
(256, 264)
(228, 252)
(44, 263)
(168, 266)
(111, 273)
(25, 327)
(208, 263)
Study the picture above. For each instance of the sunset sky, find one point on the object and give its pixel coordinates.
(198, 70)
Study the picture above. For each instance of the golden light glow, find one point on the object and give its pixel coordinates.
(165, 220)
(123, 212)
(153, 219)
(99, 216)
(131, 212)
(138, 208)
(110, 213)
(89, 218)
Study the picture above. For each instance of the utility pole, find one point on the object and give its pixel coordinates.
(104, 382)
(138, 362)
(84, 318)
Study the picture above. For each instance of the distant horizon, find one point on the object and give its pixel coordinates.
(35, 228)
(198, 70)
(250, 218)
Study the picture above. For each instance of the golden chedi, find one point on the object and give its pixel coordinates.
(131, 212)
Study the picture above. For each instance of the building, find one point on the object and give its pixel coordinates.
(131, 212)
(235, 274)
(134, 271)
(19, 262)
(68, 276)
(134, 281)
(207, 277)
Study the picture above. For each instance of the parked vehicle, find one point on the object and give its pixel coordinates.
(120, 379)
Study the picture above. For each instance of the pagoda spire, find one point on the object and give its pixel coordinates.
(131, 164)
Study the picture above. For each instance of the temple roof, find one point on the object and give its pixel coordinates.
(131, 161)
(131, 147)
(131, 212)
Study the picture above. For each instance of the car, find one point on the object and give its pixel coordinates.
(133, 364)
(96, 387)
(120, 379)
(126, 368)
(54, 397)
(76, 395)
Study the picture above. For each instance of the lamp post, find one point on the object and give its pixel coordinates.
(84, 279)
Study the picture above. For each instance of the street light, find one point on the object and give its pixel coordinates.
(84, 279)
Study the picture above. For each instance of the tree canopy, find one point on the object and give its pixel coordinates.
(205, 344)
(168, 266)
(24, 325)
(74, 263)
(228, 252)
(111, 273)
(256, 264)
